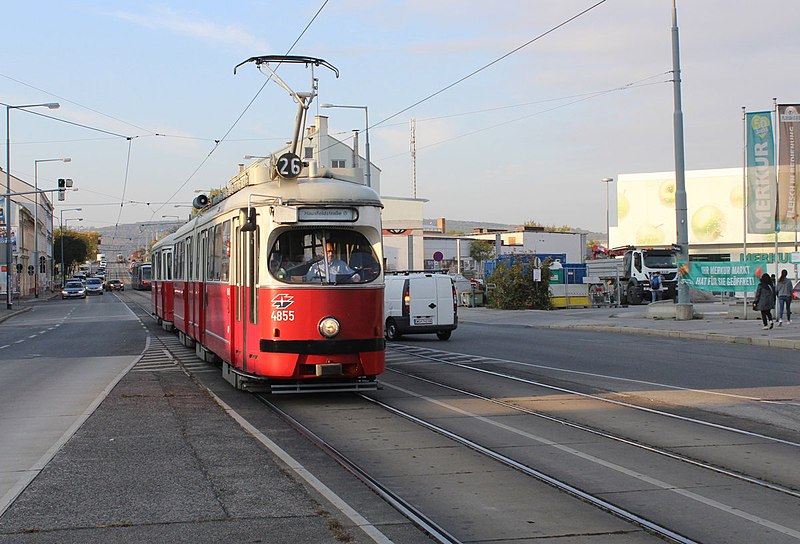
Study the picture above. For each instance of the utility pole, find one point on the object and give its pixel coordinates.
(683, 310)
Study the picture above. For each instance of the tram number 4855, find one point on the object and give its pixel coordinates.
(283, 315)
(289, 166)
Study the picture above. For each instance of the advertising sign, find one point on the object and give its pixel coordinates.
(788, 147)
(738, 277)
(761, 197)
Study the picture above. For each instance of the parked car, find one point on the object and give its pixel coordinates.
(94, 286)
(73, 289)
(115, 285)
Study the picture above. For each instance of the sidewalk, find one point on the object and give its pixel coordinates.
(19, 306)
(711, 323)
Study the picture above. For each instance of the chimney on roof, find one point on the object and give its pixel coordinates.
(241, 167)
(440, 224)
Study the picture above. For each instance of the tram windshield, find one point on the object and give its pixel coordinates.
(329, 256)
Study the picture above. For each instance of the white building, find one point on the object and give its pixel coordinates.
(23, 244)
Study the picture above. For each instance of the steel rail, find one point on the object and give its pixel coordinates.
(609, 436)
(542, 477)
(595, 397)
(414, 515)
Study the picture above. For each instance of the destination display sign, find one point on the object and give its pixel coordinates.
(327, 214)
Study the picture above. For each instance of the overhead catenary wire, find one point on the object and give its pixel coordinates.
(75, 103)
(492, 63)
(486, 66)
(520, 118)
(244, 111)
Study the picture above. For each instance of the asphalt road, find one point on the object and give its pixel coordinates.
(56, 362)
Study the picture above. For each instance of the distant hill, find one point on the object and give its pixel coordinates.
(468, 227)
(128, 238)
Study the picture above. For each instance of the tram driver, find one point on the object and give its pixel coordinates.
(331, 268)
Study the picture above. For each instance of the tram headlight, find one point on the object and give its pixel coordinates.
(329, 327)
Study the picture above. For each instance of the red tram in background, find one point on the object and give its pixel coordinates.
(141, 276)
(279, 276)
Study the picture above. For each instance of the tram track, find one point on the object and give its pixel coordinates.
(415, 515)
(442, 532)
(173, 353)
(607, 435)
(448, 358)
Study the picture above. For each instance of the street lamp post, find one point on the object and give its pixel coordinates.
(608, 213)
(36, 220)
(366, 131)
(61, 229)
(52, 106)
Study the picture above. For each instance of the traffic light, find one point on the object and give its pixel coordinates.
(62, 188)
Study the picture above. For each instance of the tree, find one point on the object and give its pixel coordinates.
(75, 245)
(514, 288)
(480, 250)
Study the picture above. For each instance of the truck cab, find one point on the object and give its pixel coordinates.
(638, 266)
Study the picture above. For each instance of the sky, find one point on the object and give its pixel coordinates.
(532, 106)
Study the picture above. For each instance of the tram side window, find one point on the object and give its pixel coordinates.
(330, 256)
(225, 250)
(210, 256)
(168, 266)
(190, 274)
(180, 254)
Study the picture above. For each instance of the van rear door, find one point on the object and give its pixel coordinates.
(423, 310)
(445, 304)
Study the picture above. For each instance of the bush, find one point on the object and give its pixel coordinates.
(515, 289)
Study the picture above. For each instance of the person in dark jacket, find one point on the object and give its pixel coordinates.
(785, 292)
(765, 300)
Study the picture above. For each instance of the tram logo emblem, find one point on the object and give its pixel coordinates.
(281, 301)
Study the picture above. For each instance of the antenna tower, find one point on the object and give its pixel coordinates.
(413, 157)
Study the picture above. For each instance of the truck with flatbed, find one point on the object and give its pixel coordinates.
(624, 276)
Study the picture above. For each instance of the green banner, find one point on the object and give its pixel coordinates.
(761, 197)
(722, 276)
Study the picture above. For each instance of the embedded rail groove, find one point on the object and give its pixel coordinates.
(417, 352)
(607, 435)
(413, 514)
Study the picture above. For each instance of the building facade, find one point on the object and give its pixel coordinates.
(31, 229)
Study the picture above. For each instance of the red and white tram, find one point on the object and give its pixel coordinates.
(280, 278)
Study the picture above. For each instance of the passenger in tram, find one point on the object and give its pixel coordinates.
(336, 269)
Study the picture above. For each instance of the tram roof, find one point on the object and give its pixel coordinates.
(316, 191)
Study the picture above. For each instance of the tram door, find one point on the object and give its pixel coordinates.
(246, 300)
(199, 295)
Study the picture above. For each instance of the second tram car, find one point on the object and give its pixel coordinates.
(280, 278)
(141, 277)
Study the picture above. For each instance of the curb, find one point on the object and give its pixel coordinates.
(711, 337)
(12, 313)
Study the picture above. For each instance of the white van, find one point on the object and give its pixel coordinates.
(419, 302)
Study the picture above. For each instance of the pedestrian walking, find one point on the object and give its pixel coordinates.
(765, 300)
(656, 286)
(784, 290)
